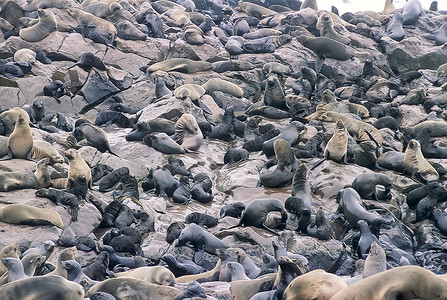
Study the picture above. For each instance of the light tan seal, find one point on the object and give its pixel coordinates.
(101, 9)
(86, 18)
(25, 179)
(245, 289)
(389, 7)
(157, 275)
(360, 130)
(315, 285)
(179, 16)
(77, 166)
(8, 251)
(345, 107)
(20, 142)
(65, 254)
(30, 215)
(189, 90)
(217, 84)
(43, 149)
(32, 5)
(309, 4)
(42, 287)
(417, 165)
(407, 282)
(325, 25)
(10, 117)
(189, 133)
(337, 147)
(375, 262)
(25, 55)
(255, 10)
(139, 289)
(46, 25)
(183, 65)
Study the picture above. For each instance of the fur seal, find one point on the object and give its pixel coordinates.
(109, 117)
(46, 25)
(97, 269)
(388, 8)
(201, 239)
(411, 11)
(322, 228)
(255, 10)
(30, 215)
(217, 84)
(337, 147)
(404, 282)
(289, 134)
(77, 166)
(316, 284)
(235, 155)
(365, 185)
(130, 262)
(86, 18)
(160, 141)
(20, 142)
(395, 29)
(182, 65)
(274, 93)
(441, 35)
(102, 10)
(25, 54)
(109, 181)
(286, 165)
(65, 254)
(212, 275)
(22, 180)
(181, 269)
(202, 189)
(201, 219)
(375, 262)
(134, 286)
(15, 269)
(182, 193)
(326, 27)
(256, 212)
(157, 275)
(232, 210)
(60, 197)
(188, 133)
(349, 204)
(417, 165)
(96, 137)
(173, 231)
(42, 287)
(10, 116)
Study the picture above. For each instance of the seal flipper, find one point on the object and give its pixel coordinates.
(8, 156)
(317, 163)
(319, 62)
(270, 230)
(200, 250)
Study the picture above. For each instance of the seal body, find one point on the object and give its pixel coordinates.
(46, 25)
(337, 147)
(26, 214)
(417, 165)
(349, 204)
(20, 142)
(77, 166)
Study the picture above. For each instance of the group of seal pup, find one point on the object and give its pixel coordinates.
(343, 134)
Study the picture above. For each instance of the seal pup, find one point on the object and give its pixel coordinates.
(286, 165)
(232, 210)
(46, 25)
(181, 269)
(98, 269)
(201, 239)
(60, 197)
(415, 163)
(322, 228)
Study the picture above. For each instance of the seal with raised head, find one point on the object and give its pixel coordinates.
(24, 180)
(98, 269)
(77, 166)
(322, 229)
(326, 27)
(415, 163)
(337, 147)
(46, 25)
(281, 173)
(201, 239)
(289, 134)
(20, 142)
(181, 269)
(188, 133)
(274, 93)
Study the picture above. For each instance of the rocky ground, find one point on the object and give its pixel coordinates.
(126, 80)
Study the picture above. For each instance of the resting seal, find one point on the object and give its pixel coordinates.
(30, 215)
(411, 11)
(289, 134)
(417, 165)
(60, 197)
(157, 275)
(26, 180)
(116, 286)
(217, 84)
(162, 142)
(182, 65)
(201, 239)
(188, 133)
(286, 165)
(407, 282)
(316, 284)
(365, 185)
(86, 18)
(46, 25)
(257, 210)
(42, 287)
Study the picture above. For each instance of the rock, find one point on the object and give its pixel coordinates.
(121, 79)
(88, 220)
(97, 87)
(410, 54)
(171, 109)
